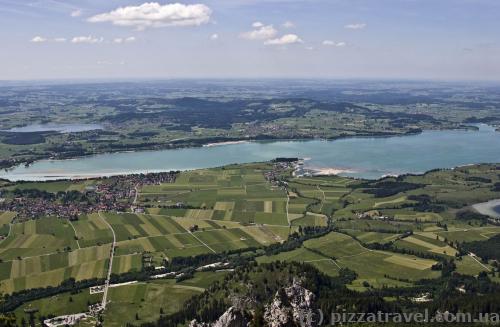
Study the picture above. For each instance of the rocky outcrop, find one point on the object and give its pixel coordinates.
(231, 318)
(291, 306)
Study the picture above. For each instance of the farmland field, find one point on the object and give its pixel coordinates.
(240, 195)
(145, 300)
(5, 220)
(334, 251)
(37, 237)
(388, 234)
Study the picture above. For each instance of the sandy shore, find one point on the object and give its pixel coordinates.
(331, 171)
(224, 143)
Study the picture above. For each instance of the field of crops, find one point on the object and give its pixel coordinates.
(388, 238)
(335, 251)
(47, 251)
(225, 194)
(144, 302)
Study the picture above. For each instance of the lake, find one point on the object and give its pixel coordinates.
(61, 128)
(490, 208)
(370, 157)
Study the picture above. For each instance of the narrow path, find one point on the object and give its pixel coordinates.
(287, 202)
(112, 252)
(326, 259)
(324, 198)
(355, 255)
(76, 236)
(473, 256)
(8, 234)
(136, 195)
(203, 242)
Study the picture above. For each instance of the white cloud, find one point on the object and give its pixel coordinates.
(257, 24)
(333, 44)
(262, 32)
(214, 37)
(288, 24)
(120, 40)
(309, 48)
(87, 39)
(106, 62)
(41, 39)
(38, 39)
(152, 14)
(76, 13)
(284, 40)
(356, 26)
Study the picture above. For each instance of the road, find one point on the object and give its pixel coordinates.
(287, 202)
(8, 234)
(196, 237)
(324, 198)
(473, 256)
(110, 268)
(76, 236)
(136, 195)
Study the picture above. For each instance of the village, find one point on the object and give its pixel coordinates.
(116, 193)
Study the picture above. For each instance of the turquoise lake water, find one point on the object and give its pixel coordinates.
(370, 157)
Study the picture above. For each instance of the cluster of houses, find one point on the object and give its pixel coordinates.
(108, 194)
(372, 214)
(273, 176)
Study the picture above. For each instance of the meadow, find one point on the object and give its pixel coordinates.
(390, 232)
(334, 251)
(230, 193)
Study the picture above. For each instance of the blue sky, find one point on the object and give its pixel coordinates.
(410, 39)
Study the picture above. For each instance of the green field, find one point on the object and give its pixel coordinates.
(61, 304)
(37, 237)
(146, 300)
(214, 211)
(5, 220)
(226, 194)
(335, 250)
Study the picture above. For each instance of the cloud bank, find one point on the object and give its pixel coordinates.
(38, 39)
(87, 39)
(120, 40)
(284, 40)
(260, 32)
(333, 44)
(153, 14)
(357, 26)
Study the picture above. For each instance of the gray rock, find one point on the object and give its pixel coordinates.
(231, 318)
(291, 306)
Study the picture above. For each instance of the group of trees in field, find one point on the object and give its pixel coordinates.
(384, 188)
(487, 250)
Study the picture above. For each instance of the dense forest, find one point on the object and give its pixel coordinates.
(253, 286)
(487, 250)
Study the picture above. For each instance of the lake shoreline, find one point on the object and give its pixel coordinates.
(195, 143)
(361, 156)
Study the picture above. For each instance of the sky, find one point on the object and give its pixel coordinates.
(345, 39)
